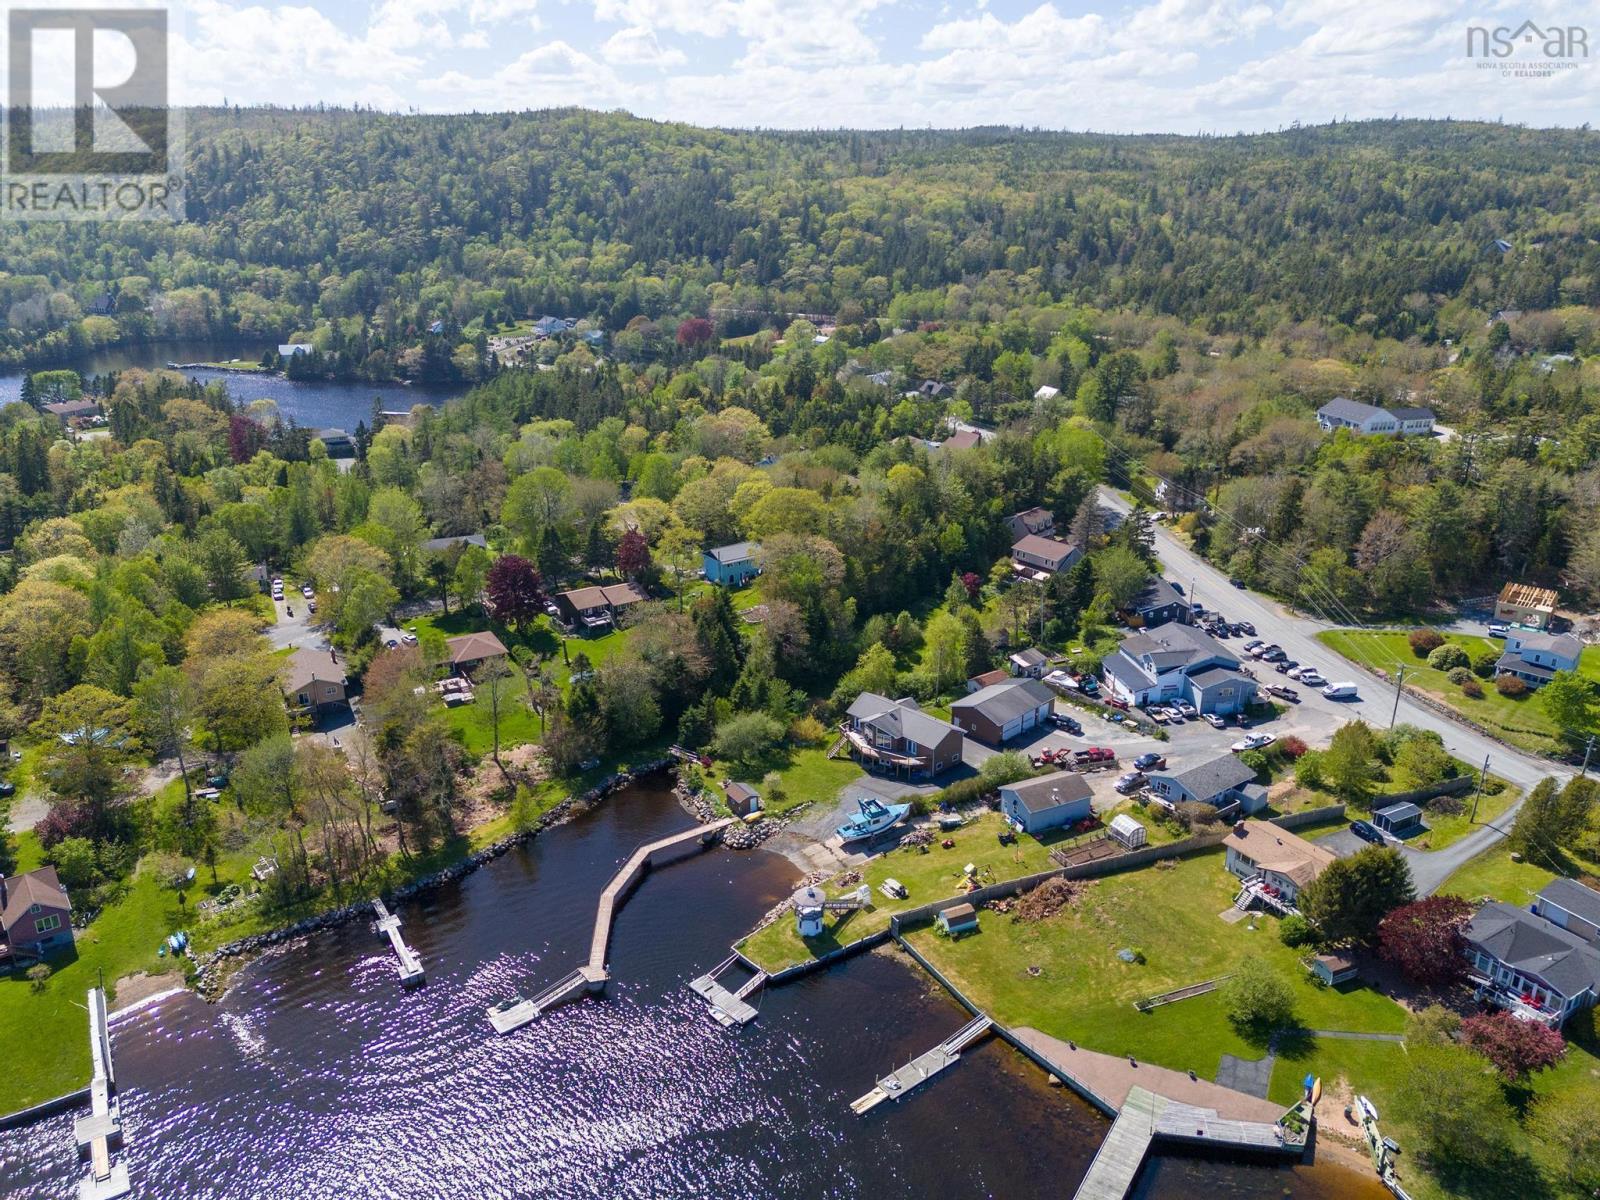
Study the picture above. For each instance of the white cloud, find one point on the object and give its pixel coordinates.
(637, 46)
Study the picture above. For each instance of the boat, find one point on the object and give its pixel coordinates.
(178, 942)
(1365, 1106)
(874, 816)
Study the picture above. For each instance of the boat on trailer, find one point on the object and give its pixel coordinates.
(873, 816)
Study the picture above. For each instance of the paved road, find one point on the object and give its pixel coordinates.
(1297, 635)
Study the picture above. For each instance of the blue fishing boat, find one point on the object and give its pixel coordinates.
(874, 817)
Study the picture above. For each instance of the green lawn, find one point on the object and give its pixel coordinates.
(808, 776)
(1442, 828)
(1520, 721)
(931, 873)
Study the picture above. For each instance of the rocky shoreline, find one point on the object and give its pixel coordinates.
(211, 971)
(698, 805)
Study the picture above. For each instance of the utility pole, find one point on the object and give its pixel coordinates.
(1587, 751)
(1483, 780)
(1399, 680)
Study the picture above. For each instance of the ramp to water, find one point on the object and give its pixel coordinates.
(900, 1083)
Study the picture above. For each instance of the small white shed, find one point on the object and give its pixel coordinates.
(1128, 831)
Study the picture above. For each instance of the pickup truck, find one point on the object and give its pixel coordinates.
(1095, 754)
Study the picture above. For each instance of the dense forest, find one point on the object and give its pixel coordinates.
(369, 231)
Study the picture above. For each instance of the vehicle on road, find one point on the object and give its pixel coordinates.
(311, 606)
(1498, 630)
(1341, 691)
(1215, 721)
(1254, 741)
(1367, 832)
(1283, 693)
(1238, 583)
(1311, 677)
(1150, 761)
(1131, 782)
(1177, 587)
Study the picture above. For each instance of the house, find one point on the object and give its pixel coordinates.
(436, 327)
(551, 326)
(102, 305)
(1402, 820)
(1046, 392)
(883, 379)
(290, 349)
(934, 389)
(965, 440)
(337, 442)
(70, 412)
(439, 545)
(597, 607)
(1572, 906)
(1334, 969)
(1159, 604)
(1529, 965)
(1040, 557)
(978, 682)
(1260, 852)
(1414, 422)
(314, 680)
(897, 737)
(957, 919)
(1343, 413)
(1534, 658)
(733, 565)
(1002, 711)
(1526, 605)
(1126, 830)
(35, 915)
(1221, 782)
(260, 576)
(593, 337)
(742, 798)
(1040, 522)
(1029, 663)
(1048, 802)
(1177, 662)
(472, 649)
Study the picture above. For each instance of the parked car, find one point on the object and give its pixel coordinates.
(1070, 724)
(1254, 741)
(1090, 686)
(1273, 655)
(1116, 703)
(1173, 715)
(1187, 709)
(391, 643)
(1499, 630)
(1245, 628)
(1215, 721)
(1284, 693)
(7, 788)
(1158, 715)
(1312, 678)
(1131, 782)
(1340, 691)
(1288, 666)
(1253, 644)
(409, 638)
(1367, 832)
(1150, 761)
(1095, 754)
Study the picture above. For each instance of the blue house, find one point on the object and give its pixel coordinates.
(734, 565)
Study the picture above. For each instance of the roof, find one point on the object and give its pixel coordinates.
(72, 408)
(965, 440)
(995, 676)
(1123, 823)
(474, 647)
(1212, 778)
(1526, 595)
(902, 718)
(460, 539)
(1157, 593)
(1031, 657)
(1042, 547)
(1512, 661)
(615, 594)
(22, 892)
(1413, 414)
(1050, 791)
(740, 793)
(1530, 944)
(738, 552)
(1342, 408)
(1563, 644)
(1404, 811)
(1172, 644)
(1034, 519)
(336, 434)
(959, 912)
(1126, 672)
(1003, 702)
(1573, 896)
(1278, 850)
(1337, 962)
(308, 666)
(1046, 392)
(1211, 676)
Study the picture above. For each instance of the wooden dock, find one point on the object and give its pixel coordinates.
(100, 1132)
(728, 1008)
(592, 976)
(388, 925)
(900, 1083)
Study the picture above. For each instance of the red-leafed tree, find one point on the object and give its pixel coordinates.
(974, 585)
(1423, 939)
(696, 331)
(1516, 1048)
(633, 554)
(515, 590)
(245, 437)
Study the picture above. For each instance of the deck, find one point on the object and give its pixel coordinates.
(901, 1082)
(100, 1132)
(388, 925)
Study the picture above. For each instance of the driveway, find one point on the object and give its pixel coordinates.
(297, 631)
(1316, 717)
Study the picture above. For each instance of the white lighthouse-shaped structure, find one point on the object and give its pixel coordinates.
(808, 902)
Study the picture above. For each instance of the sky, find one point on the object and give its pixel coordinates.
(1183, 66)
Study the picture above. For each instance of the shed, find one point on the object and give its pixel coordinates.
(958, 918)
(742, 798)
(1128, 831)
(1333, 969)
(1402, 820)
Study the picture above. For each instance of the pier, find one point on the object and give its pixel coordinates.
(592, 976)
(899, 1084)
(388, 925)
(100, 1133)
(728, 1008)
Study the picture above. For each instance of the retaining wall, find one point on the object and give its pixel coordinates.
(49, 1108)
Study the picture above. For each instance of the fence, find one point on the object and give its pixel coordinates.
(1450, 787)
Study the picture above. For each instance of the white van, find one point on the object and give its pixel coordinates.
(1340, 691)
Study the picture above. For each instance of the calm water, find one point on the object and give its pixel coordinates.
(319, 1077)
(317, 404)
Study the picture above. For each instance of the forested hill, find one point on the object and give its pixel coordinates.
(387, 223)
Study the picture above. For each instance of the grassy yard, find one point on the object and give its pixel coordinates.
(929, 873)
(1520, 721)
(1442, 828)
(807, 776)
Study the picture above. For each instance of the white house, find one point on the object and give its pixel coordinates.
(1344, 413)
(1223, 782)
(1535, 657)
(1177, 662)
(1529, 965)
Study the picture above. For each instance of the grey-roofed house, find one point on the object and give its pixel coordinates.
(898, 738)
(1003, 711)
(1528, 965)
(1221, 782)
(1038, 521)
(1414, 422)
(1343, 413)
(337, 442)
(1029, 663)
(1402, 820)
(734, 565)
(1038, 557)
(1048, 802)
(439, 545)
(1177, 661)
(69, 411)
(1572, 906)
(1160, 603)
(1535, 657)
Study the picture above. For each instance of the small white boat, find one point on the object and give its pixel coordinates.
(1367, 1108)
(874, 816)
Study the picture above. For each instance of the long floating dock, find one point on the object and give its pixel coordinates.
(592, 976)
(388, 925)
(899, 1084)
(100, 1132)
